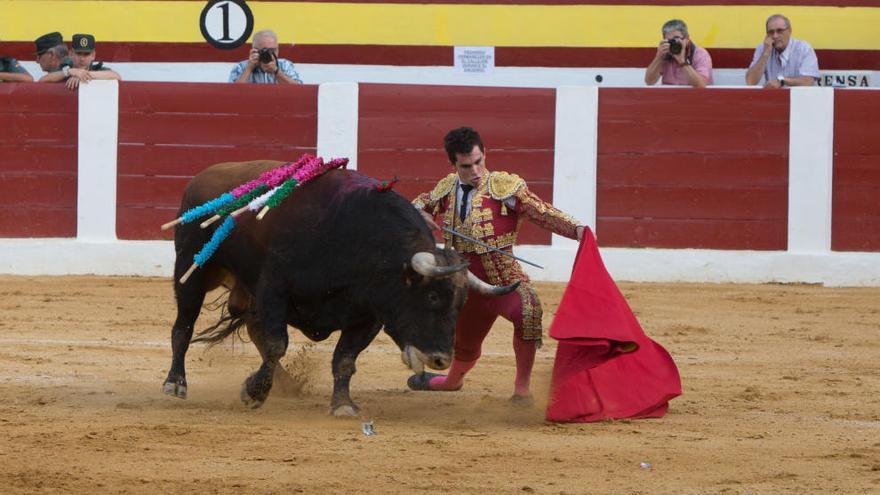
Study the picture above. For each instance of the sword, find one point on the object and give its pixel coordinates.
(471, 239)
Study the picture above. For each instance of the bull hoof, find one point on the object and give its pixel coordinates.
(175, 389)
(346, 411)
(247, 400)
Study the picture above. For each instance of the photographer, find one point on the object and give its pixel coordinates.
(679, 60)
(263, 66)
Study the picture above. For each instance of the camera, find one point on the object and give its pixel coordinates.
(268, 54)
(675, 46)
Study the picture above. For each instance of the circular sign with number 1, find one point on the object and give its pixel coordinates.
(226, 24)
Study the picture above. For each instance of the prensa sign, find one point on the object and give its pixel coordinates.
(845, 79)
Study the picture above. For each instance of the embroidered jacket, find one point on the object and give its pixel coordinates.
(497, 208)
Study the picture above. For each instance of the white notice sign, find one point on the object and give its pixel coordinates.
(474, 59)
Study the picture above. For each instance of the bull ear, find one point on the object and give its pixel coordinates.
(408, 275)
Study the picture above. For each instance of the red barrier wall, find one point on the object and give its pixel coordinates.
(401, 130)
(38, 166)
(855, 205)
(168, 132)
(685, 168)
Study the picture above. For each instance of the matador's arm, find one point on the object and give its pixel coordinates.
(545, 215)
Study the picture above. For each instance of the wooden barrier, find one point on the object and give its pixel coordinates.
(856, 188)
(677, 168)
(401, 130)
(168, 132)
(684, 168)
(38, 135)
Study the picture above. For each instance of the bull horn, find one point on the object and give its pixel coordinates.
(481, 287)
(425, 263)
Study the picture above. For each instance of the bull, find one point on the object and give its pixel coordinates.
(338, 254)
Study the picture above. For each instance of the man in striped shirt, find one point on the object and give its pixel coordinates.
(782, 60)
(268, 70)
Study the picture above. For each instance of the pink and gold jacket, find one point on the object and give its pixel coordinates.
(497, 208)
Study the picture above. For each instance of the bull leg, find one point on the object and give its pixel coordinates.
(190, 297)
(282, 380)
(351, 343)
(272, 313)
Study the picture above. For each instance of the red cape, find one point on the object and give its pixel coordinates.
(606, 367)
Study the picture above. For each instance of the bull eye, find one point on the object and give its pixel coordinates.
(433, 298)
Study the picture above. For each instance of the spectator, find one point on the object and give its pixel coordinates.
(12, 71)
(782, 60)
(84, 58)
(263, 66)
(53, 59)
(679, 60)
(52, 55)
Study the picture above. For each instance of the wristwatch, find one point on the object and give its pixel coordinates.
(781, 80)
(66, 71)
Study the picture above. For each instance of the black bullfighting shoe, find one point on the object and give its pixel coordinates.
(422, 381)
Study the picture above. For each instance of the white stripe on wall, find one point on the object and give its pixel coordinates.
(98, 132)
(338, 122)
(810, 165)
(576, 150)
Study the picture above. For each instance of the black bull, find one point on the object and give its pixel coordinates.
(338, 254)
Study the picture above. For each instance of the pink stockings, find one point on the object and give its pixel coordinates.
(525, 360)
(474, 322)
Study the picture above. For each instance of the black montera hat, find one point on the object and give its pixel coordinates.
(48, 41)
(83, 43)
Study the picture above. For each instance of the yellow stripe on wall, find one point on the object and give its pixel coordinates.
(444, 24)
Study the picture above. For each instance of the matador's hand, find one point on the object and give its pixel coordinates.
(429, 220)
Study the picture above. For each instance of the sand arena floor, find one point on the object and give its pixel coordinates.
(781, 395)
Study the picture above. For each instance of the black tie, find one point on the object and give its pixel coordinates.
(465, 192)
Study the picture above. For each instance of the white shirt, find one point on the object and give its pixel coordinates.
(797, 60)
(459, 192)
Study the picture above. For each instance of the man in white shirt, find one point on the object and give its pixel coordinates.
(782, 60)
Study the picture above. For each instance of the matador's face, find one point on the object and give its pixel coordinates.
(471, 167)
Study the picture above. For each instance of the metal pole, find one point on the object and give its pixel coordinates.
(471, 239)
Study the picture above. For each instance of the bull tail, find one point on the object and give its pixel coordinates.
(230, 322)
(226, 326)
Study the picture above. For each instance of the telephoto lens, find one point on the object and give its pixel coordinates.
(675, 46)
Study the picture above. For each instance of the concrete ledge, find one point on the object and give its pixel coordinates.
(832, 269)
(73, 257)
(156, 258)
